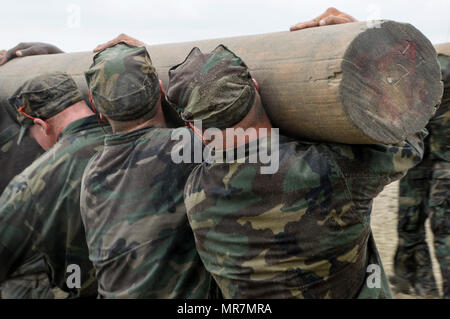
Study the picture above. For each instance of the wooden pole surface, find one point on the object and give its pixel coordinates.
(351, 83)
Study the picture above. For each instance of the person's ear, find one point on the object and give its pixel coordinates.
(43, 126)
(103, 118)
(256, 84)
(163, 92)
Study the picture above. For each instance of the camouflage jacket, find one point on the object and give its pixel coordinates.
(13, 158)
(137, 231)
(439, 125)
(303, 232)
(40, 212)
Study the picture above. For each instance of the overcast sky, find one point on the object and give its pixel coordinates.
(81, 25)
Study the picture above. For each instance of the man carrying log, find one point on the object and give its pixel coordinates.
(302, 232)
(425, 192)
(13, 158)
(132, 205)
(42, 241)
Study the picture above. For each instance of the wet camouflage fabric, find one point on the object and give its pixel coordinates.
(14, 158)
(40, 214)
(123, 83)
(425, 193)
(215, 87)
(43, 97)
(34, 286)
(303, 232)
(444, 61)
(132, 207)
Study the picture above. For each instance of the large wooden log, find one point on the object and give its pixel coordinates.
(351, 83)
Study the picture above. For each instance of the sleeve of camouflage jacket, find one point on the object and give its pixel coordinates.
(16, 225)
(368, 169)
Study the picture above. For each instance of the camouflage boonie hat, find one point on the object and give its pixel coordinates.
(123, 83)
(43, 97)
(215, 88)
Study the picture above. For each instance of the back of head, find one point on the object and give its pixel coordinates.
(43, 97)
(123, 83)
(215, 88)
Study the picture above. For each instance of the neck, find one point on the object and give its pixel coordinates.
(246, 132)
(255, 125)
(143, 122)
(75, 112)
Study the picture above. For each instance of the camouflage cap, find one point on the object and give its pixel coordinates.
(43, 97)
(123, 83)
(215, 88)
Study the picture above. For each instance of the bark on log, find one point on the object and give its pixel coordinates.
(356, 83)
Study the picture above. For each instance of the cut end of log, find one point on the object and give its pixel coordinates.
(391, 82)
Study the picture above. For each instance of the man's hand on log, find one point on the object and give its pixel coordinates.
(329, 17)
(27, 49)
(121, 38)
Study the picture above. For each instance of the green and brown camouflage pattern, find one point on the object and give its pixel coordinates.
(137, 230)
(14, 158)
(425, 193)
(123, 83)
(30, 281)
(33, 286)
(215, 88)
(43, 97)
(444, 61)
(303, 232)
(40, 212)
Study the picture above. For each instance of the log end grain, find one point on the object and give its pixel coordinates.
(391, 84)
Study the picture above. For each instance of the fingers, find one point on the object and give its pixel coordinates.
(329, 17)
(103, 46)
(2, 55)
(108, 44)
(333, 20)
(315, 22)
(30, 51)
(304, 25)
(121, 38)
(26, 49)
(10, 54)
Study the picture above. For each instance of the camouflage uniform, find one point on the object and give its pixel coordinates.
(41, 232)
(303, 232)
(191, 81)
(425, 191)
(132, 207)
(13, 158)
